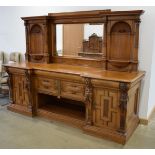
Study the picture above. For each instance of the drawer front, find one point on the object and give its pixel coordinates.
(72, 90)
(48, 85)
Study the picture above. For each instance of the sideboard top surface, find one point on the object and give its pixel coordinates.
(91, 72)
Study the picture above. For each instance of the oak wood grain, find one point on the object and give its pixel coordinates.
(91, 72)
(101, 96)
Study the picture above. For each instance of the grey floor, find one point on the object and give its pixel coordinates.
(18, 131)
(3, 100)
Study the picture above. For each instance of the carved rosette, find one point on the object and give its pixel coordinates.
(28, 86)
(88, 100)
(123, 105)
(10, 82)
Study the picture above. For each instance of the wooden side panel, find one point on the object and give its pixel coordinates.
(132, 106)
(106, 108)
(20, 95)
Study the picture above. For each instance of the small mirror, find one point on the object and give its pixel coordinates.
(79, 40)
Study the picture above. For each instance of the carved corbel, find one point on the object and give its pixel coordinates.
(28, 86)
(88, 100)
(123, 105)
(10, 84)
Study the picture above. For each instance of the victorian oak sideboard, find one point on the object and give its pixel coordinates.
(100, 96)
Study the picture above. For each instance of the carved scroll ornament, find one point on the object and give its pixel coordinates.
(28, 86)
(123, 105)
(88, 100)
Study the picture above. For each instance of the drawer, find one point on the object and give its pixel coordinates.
(72, 90)
(48, 85)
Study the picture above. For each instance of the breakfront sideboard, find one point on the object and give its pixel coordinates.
(98, 88)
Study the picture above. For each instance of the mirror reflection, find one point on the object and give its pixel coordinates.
(79, 40)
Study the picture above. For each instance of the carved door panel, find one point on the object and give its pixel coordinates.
(106, 108)
(20, 95)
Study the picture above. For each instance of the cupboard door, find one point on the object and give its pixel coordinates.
(106, 108)
(20, 95)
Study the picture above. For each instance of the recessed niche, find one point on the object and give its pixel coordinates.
(36, 38)
(120, 41)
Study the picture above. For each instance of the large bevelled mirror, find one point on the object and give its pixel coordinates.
(79, 40)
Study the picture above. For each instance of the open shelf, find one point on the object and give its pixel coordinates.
(61, 109)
